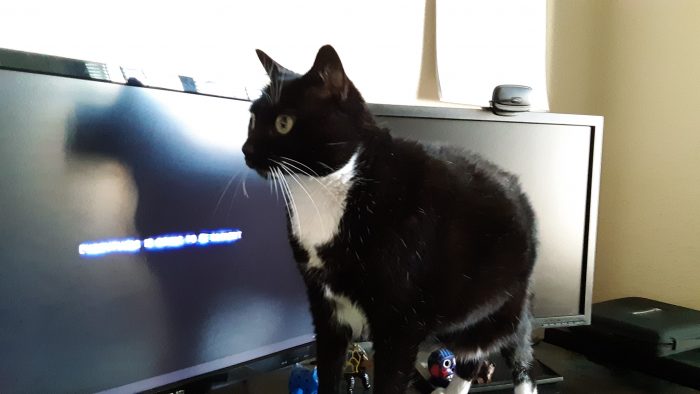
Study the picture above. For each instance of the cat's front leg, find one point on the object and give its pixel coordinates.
(332, 342)
(331, 347)
(394, 361)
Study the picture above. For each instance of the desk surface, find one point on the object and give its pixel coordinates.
(584, 376)
(580, 376)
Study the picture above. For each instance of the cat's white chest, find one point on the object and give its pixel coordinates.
(317, 205)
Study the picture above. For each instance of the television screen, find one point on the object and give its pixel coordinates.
(139, 250)
(552, 162)
(135, 241)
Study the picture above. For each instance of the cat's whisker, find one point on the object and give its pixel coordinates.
(273, 171)
(289, 159)
(274, 183)
(245, 191)
(276, 173)
(315, 178)
(278, 185)
(223, 193)
(238, 187)
(241, 182)
(269, 183)
(273, 176)
(295, 211)
(296, 179)
(326, 165)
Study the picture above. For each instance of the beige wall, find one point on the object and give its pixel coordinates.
(637, 62)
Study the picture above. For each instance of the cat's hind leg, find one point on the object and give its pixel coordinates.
(519, 359)
(506, 327)
(518, 356)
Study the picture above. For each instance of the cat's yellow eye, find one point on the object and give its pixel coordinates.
(284, 123)
(252, 120)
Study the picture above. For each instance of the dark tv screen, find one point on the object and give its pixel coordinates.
(96, 168)
(552, 162)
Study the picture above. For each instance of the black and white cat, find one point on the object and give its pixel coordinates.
(398, 242)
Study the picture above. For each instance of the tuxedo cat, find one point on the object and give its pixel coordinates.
(401, 243)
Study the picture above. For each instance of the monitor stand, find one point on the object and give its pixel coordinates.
(501, 379)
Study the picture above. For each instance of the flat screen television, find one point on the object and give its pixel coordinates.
(138, 251)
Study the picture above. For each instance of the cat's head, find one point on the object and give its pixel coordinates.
(311, 123)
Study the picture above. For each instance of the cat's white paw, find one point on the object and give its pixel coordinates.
(525, 388)
(439, 390)
(458, 386)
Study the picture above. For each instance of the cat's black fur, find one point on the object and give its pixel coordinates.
(435, 244)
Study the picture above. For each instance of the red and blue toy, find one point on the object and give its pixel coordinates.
(441, 366)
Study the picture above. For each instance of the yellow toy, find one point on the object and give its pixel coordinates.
(355, 366)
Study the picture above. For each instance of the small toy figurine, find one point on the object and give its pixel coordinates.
(303, 380)
(355, 366)
(441, 365)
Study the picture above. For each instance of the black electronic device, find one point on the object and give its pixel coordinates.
(644, 326)
(639, 333)
(510, 99)
(135, 257)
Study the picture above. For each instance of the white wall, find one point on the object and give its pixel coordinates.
(379, 42)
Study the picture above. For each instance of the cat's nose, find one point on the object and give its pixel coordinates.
(248, 149)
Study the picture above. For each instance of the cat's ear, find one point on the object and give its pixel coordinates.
(274, 69)
(329, 68)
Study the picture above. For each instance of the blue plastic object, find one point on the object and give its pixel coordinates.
(303, 380)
